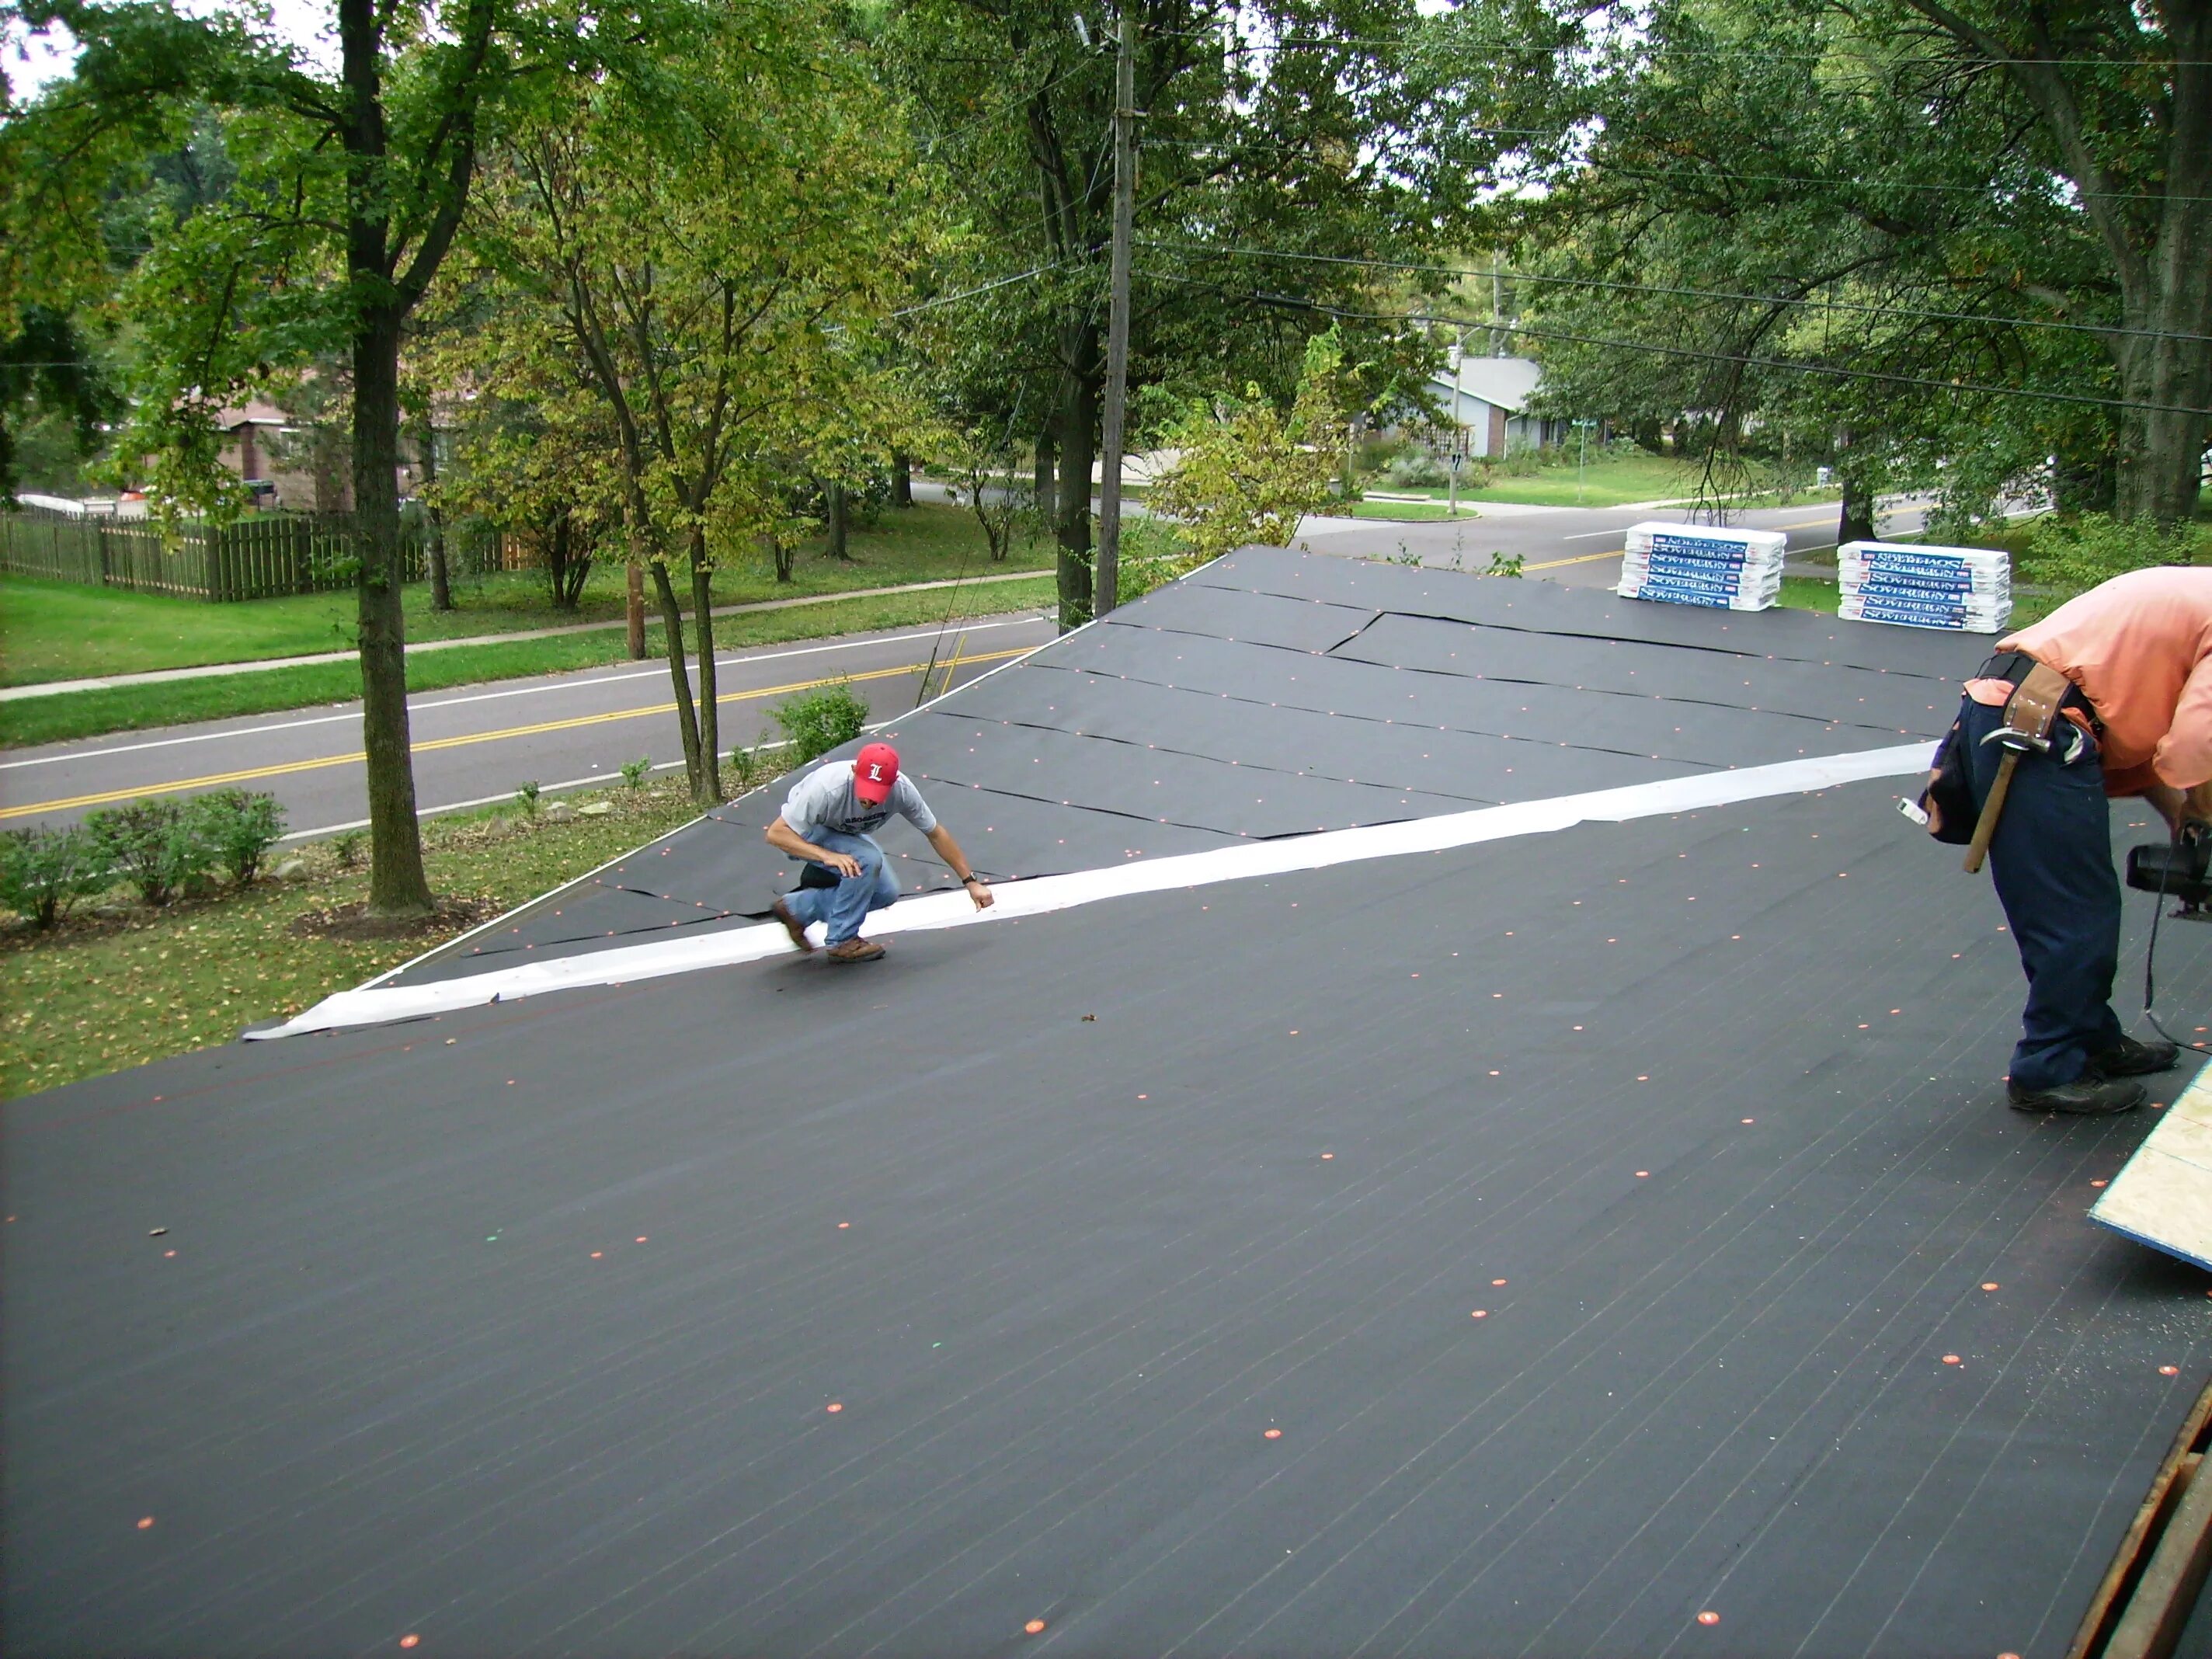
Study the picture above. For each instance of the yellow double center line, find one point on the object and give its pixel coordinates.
(247, 775)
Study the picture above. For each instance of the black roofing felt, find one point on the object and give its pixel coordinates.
(518, 1331)
(1276, 694)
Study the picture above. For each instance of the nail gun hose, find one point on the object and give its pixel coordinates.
(2150, 968)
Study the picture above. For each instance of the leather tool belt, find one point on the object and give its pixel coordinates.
(2017, 666)
(2032, 713)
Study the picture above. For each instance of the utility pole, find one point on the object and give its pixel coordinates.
(1107, 571)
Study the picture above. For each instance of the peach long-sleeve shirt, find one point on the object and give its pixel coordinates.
(2140, 648)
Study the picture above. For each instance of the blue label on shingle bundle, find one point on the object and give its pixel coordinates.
(1703, 581)
(1880, 608)
(1879, 574)
(1943, 596)
(1698, 547)
(1672, 567)
(1716, 598)
(1934, 564)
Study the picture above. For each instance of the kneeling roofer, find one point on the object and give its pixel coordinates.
(827, 821)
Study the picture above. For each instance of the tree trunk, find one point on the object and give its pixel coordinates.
(687, 723)
(1855, 519)
(2162, 449)
(441, 585)
(1042, 477)
(1078, 444)
(634, 609)
(710, 708)
(396, 885)
(833, 496)
(902, 478)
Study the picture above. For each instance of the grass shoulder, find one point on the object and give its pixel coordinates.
(53, 630)
(119, 984)
(68, 715)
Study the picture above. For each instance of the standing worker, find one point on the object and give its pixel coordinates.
(2127, 712)
(826, 820)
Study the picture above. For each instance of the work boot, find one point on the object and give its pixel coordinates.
(866, 950)
(794, 927)
(2088, 1095)
(2128, 1058)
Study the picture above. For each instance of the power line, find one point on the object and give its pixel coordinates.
(1871, 184)
(970, 292)
(1389, 43)
(1680, 293)
(1319, 307)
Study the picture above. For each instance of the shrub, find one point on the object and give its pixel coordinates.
(748, 767)
(238, 827)
(2079, 551)
(346, 849)
(155, 845)
(820, 719)
(633, 771)
(1414, 470)
(1153, 553)
(527, 797)
(43, 871)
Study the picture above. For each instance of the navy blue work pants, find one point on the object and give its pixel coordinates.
(2053, 860)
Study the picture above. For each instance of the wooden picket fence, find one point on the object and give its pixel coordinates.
(256, 558)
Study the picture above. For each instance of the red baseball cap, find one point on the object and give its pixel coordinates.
(875, 770)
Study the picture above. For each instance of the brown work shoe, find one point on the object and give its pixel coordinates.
(855, 949)
(794, 927)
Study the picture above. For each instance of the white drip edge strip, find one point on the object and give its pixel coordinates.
(623, 964)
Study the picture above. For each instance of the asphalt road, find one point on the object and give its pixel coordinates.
(1580, 546)
(473, 746)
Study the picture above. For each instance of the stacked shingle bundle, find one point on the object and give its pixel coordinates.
(1689, 564)
(1968, 589)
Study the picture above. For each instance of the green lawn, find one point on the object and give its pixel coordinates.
(1406, 512)
(101, 994)
(72, 715)
(58, 631)
(1609, 481)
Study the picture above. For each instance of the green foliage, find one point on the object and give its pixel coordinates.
(749, 768)
(1415, 469)
(633, 772)
(1863, 284)
(1153, 553)
(819, 720)
(1505, 564)
(43, 872)
(2076, 552)
(155, 845)
(347, 848)
(237, 827)
(1248, 473)
(527, 797)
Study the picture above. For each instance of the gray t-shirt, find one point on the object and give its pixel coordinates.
(823, 800)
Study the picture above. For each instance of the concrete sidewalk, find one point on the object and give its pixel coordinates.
(161, 676)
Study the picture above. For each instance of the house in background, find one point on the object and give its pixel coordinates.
(300, 467)
(304, 466)
(1488, 397)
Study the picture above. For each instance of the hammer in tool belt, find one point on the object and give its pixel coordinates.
(2030, 714)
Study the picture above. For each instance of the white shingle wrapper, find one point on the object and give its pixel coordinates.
(1691, 564)
(1965, 589)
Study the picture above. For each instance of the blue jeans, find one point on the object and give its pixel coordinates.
(2052, 858)
(843, 908)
